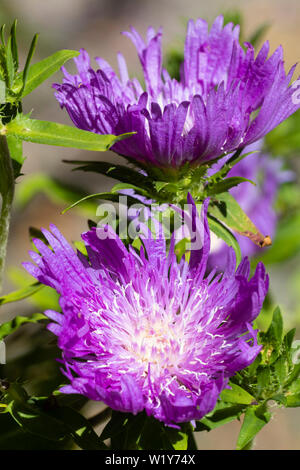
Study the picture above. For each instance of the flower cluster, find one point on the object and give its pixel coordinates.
(141, 331)
(226, 98)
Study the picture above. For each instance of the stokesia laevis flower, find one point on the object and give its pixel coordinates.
(226, 98)
(143, 332)
(256, 200)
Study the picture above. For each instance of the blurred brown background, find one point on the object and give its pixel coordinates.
(96, 25)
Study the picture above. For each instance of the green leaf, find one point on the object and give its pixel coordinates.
(28, 60)
(43, 417)
(294, 375)
(263, 380)
(173, 60)
(275, 331)
(43, 299)
(288, 338)
(258, 34)
(124, 430)
(118, 172)
(21, 293)
(227, 209)
(181, 248)
(9, 327)
(293, 394)
(226, 184)
(293, 400)
(37, 233)
(281, 370)
(120, 186)
(153, 436)
(223, 413)
(2, 34)
(272, 339)
(32, 420)
(13, 437)
(14, 46)
(106, 196)
(114, 425)
(52, 133)
(16, 150)
(178, 438)
(79, 427)
(10, 69)
(236, 158)
(237, 395)
(222, 232)
(41, 71)
(256, 417)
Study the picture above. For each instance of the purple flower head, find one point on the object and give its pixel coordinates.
(208, 112)
(257, 201)
(144, 332)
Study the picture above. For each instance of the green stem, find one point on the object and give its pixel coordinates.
(192, 444)
(7, 184)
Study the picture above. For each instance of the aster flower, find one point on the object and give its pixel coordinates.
(256, 200)
(226, 98)
(144, 332)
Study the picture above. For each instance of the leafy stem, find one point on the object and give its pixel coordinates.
(7, 184)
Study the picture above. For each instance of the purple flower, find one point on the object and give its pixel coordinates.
(208, 112)
(257, 201)
(144, 332)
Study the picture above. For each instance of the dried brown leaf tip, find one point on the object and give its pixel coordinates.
(259, 239)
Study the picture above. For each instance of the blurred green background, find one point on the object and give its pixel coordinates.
(96, 25)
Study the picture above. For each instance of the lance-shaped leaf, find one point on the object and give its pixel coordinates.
(118, 172)
(39, 72)
(123, 186)
(52, 133)
(79, 428)
(14, 47)
(236, 158)
(237, 394)
(226, 209)
(256, 417)
(226, 184)
(258, 34)
(272, 339)
(293, 395)
(42, 299)
(16, 151)
(222, 232)
(9, 327)
(178, 438)
(21, 293)
(28, 60)
(222, 414)
(10, 68)
(43, 417)
(113, 197)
